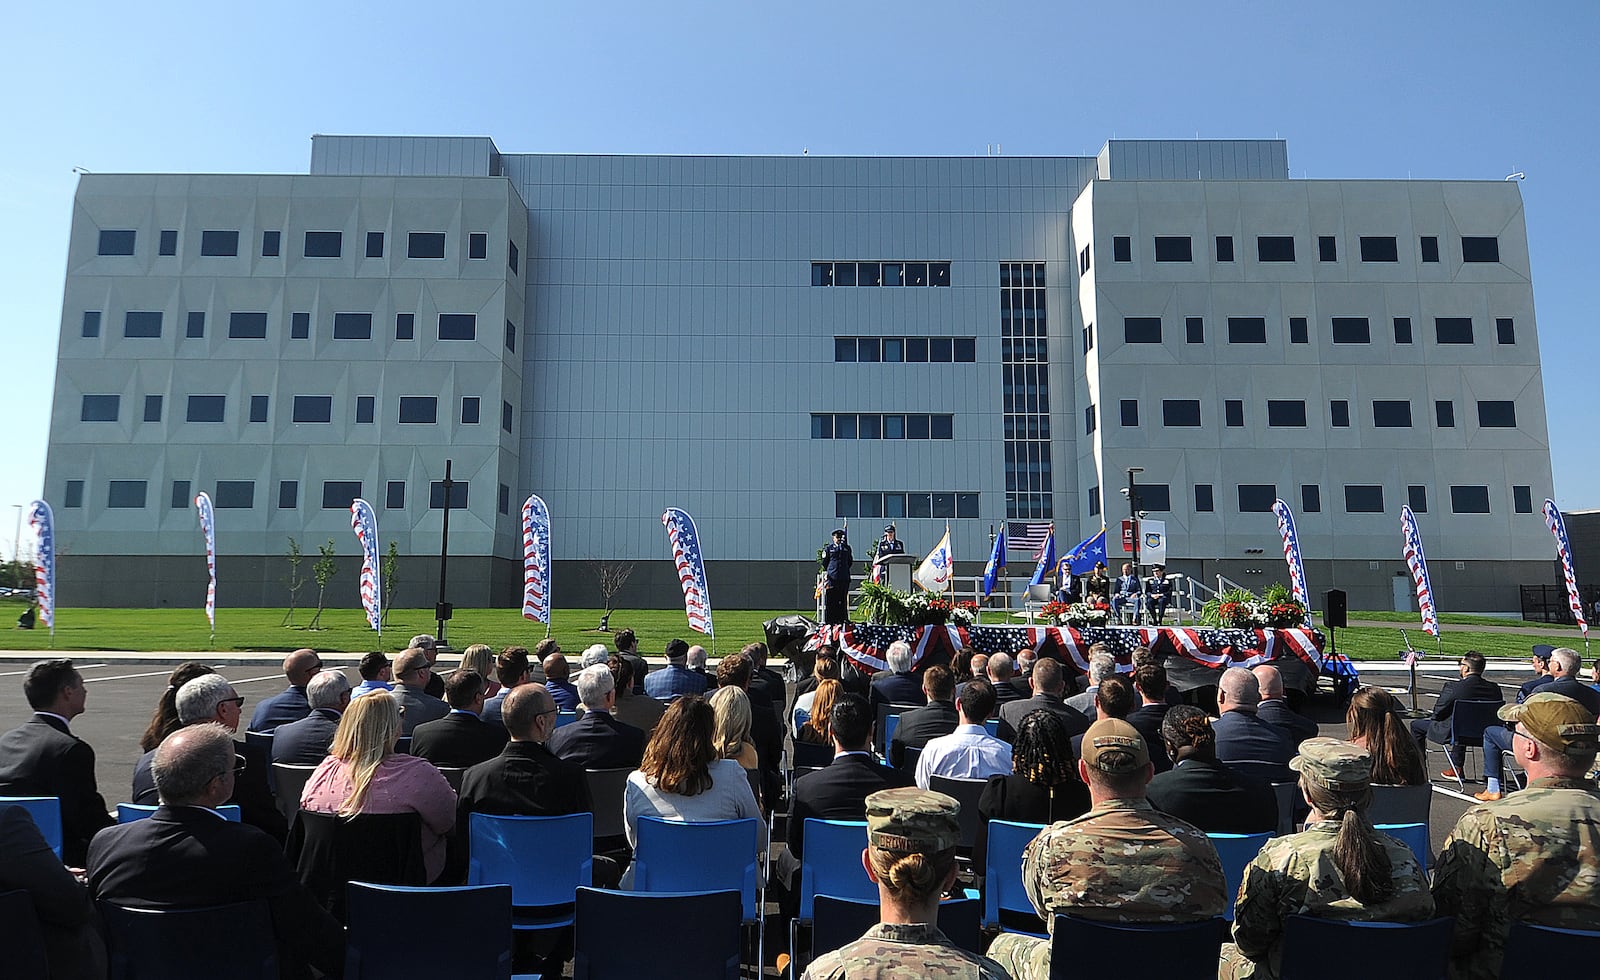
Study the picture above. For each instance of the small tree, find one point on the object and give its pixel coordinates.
(323, 570)
(612, 576)
(295, 580)
(391, 564)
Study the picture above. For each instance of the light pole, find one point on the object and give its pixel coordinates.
(1133, 511)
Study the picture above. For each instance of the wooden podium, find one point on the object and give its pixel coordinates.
(897, 570)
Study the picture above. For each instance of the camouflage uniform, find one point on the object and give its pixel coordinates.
(896, 951)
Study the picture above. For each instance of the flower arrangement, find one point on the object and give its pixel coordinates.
(1076, 613)
(1242, 609)
(891, 607)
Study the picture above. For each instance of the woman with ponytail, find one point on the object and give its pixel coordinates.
(1338, 868)
(1375, 725)
(164, 720)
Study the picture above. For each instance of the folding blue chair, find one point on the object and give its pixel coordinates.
(1088, 948)
(841, 921)
(565, 718)
(1468, 719)
(966, 792)
(992, 726)
(675, 856)
(1414, 836)
(1536, 952)
(46, 814)
(681, 934)
(544, 860)
(129, 812)
(811, 755)
(832, 866)
(481, 912)
(26, 955)
(1417, 951)
(1236, 851)
(190, 944)
(1002, 876)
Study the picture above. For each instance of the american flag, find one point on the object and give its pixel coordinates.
(42, 520)
(536, 560)
(1027, 536)
(1291, 555)
(208, 527)
(365, 524)
(1558, 527)
(1418, 563)
(691, 564)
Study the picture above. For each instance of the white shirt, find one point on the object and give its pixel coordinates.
(969, 752)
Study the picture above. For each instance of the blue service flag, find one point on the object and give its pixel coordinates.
(1087, 554)
(997, 561)
(1045, 572)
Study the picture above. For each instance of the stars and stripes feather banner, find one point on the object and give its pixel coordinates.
(208, 527)
(365, 524)
(1418, 563)
(1291, 555)
(536, 560)
(43, 522)
(1558, 527)
(686, 555)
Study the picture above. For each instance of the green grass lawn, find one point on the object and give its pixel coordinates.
(1459, 619)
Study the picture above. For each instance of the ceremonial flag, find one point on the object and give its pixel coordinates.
(997, 561)
(536, 560)
(42, 521)
(934, 572)
(1028, 536)
(1418, 563)
(1044, 572)
(1558, 527)
(691, 564)
(1153, 542)
(365, 523)
(1291, 555)
(208, 526)
(1087, 554)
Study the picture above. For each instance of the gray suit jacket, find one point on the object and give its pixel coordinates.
(420, 708)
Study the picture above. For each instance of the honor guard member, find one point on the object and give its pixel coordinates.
(837, 559)
(1157, 593)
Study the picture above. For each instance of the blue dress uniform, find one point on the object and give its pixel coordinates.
(1157, 593)
(836, 590)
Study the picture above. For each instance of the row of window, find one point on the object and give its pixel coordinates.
(241, 494)
(880, 273)
(1177, 413)
(414, 409)
(872, 425)
(1281, 248)
(910, 350)
(1358, 498)
(147, 324)
(1025, 390)
(1447, 330)
(902, 503)
(317, 245)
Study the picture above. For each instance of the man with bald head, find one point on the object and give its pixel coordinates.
(290, 704)
(1241, 735)
(1001, 668)
(1274, 707)
(413, 672)
(526, 778)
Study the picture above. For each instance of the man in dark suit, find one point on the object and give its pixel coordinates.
(697, 665)
(1202, 790)
(597, 740)
(639, 710)
(839, 790)
(41, 757)
(289, 704)
(305, 742)
(188, 856)
(899, 685)
(1274, 707)
(511, 668)
(917, 727)
(1001, 670)
(412, 674)
(1022, 680)
(73, 948)
(1115, 697)
(1472, 686)
(1150, 694)
(1049, 685)
(1564, 667)
(461, 738)
(766, 731)
(627, 645)
(766, 684)
(1241, 735)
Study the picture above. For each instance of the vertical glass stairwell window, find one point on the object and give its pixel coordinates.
(1025, 389)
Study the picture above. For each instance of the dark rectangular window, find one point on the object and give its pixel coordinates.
(821, 425)
(845, 505)
(270, 243)
(1275, 248)
(1379, 248)
(1141, 330)
(1130, 412)
(869, 273)
(1391, 414)
(944, 505)
(405, 326)
(152, 408)
(219, 243)
(1310, 498)
(966, 504)
(916, 427)
(507, 414)
(313, 408)
(258, 408)
(966, 349)
(1204, 502)
(1327, 248)
(1480, 249)
(180, 495)
(477, 245)
(458, 326)
(141, 323)
(365, 407)
(74, 494)
(100, 408)
(1363, 499)
(844, 349)
(513, 258)
(339, 494)
(288, 494)
(1299, 330)
(247, 326)
(470, 410)
(869, 425)
(1417, 498)
(300, 326)
(374, 244)
(1224, 248)
(425, 245)
(196, 325)
(1469, 500)
(1088, 420)
(1155, 496)
(352, 326)
(419, 410)
(844, 426)
(1497, 415)
(91, 323)
(125, 494)
(1522, 499)
(1351, 330)
(1286, 414)
(1444, 414)
(916, 350)
(1505, 330)
(117, 242)
(844, 274)
(1257, 498)
(169, 242)
(941, 350)
(939, 275)
(324, 244)
(1194, 329)
(235, 494)
(894, 350)
(1453, 329)
(458, 495)
(1430, 248)
(504, 500)
(206, 408)
(1084, 261)
(941, 427)
(1121, 249)
(894, 274)
(1402, 330)
(1180, 412)
(1233, 412)
(1247, 330)
(511, 337)
(1173, 248)
(395, 495)
(1339, 414)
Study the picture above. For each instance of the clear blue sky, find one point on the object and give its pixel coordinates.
(1359, 89)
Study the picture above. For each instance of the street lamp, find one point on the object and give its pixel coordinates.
(1133, 510)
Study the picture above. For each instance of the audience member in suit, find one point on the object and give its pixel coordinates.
(1565, 664)
(900, 685)
(919, 726)
(41, 757)
(187, 856)
(1274, 707)
(429, 644)
(639, 710)
(556, 674)
(1001, 671)
(413, 672)
(289, 704)
(1115, 698)
(765, 728)
(1102, 664)
(210, 698)
(511, 668)
(697, 663)
(1150, 694)
(1472, 686)
(1043, 785)
(73, 949)
(627, 645)
(1202, 791)
(1541, 671)
(1241, 735)
(461, 738)
(377, 674)
(597, 740)
(305, 742)
(1022, 680)
(675, 679)
(1049, 683)
(766, 684)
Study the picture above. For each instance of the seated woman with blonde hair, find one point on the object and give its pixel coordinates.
(732, 708)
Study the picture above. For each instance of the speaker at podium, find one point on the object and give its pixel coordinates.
(897, 570)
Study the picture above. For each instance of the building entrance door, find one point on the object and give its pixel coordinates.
(1402, 593)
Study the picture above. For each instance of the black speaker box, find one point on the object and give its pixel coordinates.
(1333, 608)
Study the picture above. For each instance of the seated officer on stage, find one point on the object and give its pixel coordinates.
(1157, 593)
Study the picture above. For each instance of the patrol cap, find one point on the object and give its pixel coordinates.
(1334, 764)
(913, 821)
(1113, 746)
(1557, 721)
